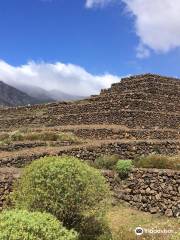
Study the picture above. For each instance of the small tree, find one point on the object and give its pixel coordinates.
(23, 225)
(63, 186)
(123, 167)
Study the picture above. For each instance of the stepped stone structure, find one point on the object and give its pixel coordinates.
(143, 101)
(138, 115)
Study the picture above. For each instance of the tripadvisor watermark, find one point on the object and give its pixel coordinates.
(140, 231)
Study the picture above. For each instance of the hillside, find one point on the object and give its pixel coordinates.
(45, 96)
(10, 96)
(144, 101)
(138, 116)
(21, 95)
(42, 95)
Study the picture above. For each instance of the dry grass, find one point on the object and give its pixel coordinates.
(70, 128)
(159, 161)
(106, 162)
(28, 135)
(123, 220)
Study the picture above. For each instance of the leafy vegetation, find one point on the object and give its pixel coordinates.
(106, 161)
(123, 167)
(23, 225)
(24, 135)
(65, 187)
(158, 161)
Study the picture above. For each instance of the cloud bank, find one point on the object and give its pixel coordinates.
(68, 78)
(157, 23)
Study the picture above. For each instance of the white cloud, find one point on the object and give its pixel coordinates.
(157, 24)
(95, 3)
(68, 78)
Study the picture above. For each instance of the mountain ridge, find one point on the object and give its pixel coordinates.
(10, 96)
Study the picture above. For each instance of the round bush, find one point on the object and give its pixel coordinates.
(123, 167)
(23, 225)
(63, 186)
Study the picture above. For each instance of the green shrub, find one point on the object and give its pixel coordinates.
(63, 186)
(106, 161)
(158, 161)
(23, 225)
(123, 167)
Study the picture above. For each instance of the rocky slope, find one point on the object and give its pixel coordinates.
(45, 96)
(10, 96)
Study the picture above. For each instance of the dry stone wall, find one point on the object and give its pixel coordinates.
(7, 178)
(129, 118)
(151, 80)
(136, 134)
(149, 190)
(124, 150)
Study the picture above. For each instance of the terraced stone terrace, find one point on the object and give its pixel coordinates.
(139, 115)
(139, 111)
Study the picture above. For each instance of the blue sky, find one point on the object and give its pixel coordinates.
(101, 38)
